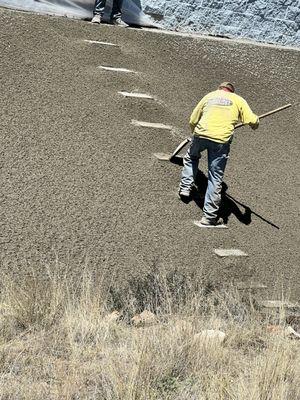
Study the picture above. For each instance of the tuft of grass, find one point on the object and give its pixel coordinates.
(58, 340)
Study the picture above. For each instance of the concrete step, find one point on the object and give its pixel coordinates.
(162, 156)
(154, 125)
(230, 253)
(116, 69)
(137, 95)
(101, 43)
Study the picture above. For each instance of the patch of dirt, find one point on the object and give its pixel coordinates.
(80, 183)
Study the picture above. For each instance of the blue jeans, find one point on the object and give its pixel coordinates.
(116, 8)
(217, 154)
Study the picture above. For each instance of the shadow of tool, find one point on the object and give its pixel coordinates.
(229, 205)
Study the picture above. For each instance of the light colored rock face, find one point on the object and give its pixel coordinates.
(112, 317)
(209, 336)
(145, 318)
(287, 331)
(271, 21)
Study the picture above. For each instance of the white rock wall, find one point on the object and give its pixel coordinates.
(271, 21)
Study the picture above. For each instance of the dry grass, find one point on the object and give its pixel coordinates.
(57, 342)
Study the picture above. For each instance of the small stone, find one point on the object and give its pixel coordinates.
(287, 331)
(113, 317)
(290, 332)
(293, 321)
(183, 325)
(275, 329)
(145, 318)
(243, 286)
(278, 304)
(210, 336)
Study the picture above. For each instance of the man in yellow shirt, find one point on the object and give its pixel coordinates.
(212, 123)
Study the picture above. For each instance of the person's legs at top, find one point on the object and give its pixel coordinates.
(217, 160)
(190, 165)
(116, 13)
(98, 11)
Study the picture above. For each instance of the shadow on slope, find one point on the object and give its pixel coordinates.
(229, 204)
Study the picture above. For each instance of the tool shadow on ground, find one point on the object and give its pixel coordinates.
(229, 205)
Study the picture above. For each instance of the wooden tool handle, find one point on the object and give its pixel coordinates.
(267, 114)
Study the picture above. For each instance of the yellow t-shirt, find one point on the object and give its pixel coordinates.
(217, 113)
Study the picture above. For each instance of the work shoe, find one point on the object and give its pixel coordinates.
(184, 193)
(119, 22)
(206, 221)
(211, 223)
(96, 19)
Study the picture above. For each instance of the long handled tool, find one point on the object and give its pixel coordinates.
(267, 114)
(187, 140)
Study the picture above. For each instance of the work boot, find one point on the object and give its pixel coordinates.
(119, 22)
(206, 222)
(184, 193)
(96, 19)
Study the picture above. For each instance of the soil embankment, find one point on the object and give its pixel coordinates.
(80, 183)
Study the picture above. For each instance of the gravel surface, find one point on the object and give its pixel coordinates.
(80, 184)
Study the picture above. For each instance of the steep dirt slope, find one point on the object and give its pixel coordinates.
(80, 183)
